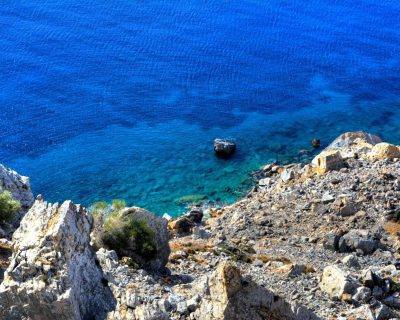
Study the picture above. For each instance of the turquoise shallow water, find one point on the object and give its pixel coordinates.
(122, 99)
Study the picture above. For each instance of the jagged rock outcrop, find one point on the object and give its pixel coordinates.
(138, 296)
(53, 274)
(19, 187)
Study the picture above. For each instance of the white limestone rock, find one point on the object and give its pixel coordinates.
(337, 283)
(137, 294)
(350, 139)
(53, 273)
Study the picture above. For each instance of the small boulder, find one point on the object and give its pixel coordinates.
(226, 281)
(181, 225)
(337, 283)
(344, 206)
(327, 197)
(331, 241)
(358, 240)
(393, 301)
(195, 215)
(294, 269)
(370, 279)
(265, 183)
(378, 311)
(149, 312)
(362, 294)
(328, 161)
(287, 175)
(224, 148)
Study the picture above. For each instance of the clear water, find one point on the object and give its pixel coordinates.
(122, 99)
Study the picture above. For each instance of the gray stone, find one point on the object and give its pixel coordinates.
(362, 294)
(392, 301)
(351, 261)
(377, 292)
(369, 278)
(327, 198)
(358, 240)
(266, 182)
(331, 241)
(149, 312)
(383, 312)
(344, 207)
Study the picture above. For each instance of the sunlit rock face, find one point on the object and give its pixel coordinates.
(53, 272)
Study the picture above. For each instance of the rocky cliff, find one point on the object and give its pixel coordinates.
(310, 241)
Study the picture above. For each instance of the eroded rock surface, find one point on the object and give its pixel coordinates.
(53, 274)
(232, 297)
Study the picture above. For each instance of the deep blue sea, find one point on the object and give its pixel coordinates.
(123, 98)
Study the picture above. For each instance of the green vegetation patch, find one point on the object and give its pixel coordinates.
(8, 207)
(126, 235)
(99, 208)
(118, 230)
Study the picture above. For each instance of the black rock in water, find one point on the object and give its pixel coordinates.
(224, 148)
(316, 143)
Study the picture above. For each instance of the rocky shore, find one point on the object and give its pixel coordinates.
(310, 241)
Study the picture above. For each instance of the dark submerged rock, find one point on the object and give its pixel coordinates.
(316, 143)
